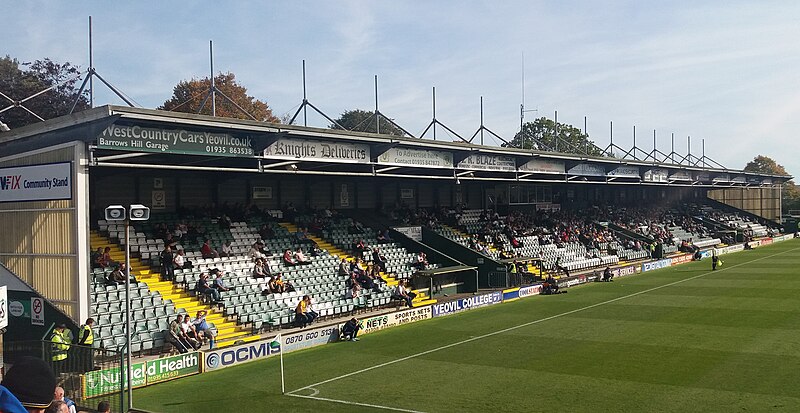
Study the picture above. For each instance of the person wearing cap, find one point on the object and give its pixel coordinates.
(59, 348)
(32, 382)
(59, 397)
(350, 329)
(86, 339)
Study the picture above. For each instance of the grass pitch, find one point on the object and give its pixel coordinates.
(678, 339)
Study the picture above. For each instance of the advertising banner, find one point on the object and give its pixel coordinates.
(587, 169)
(625, 172)
(101, 382)
(571, 281)
(414, 233)
(231, 356)
(310, 150)
(139, 139)
(529, 291)
(511, 294)
(169, 368)
(655, 265)
(543, 166)
(656, 175)
(766, 241)
(3, 306)
(681, 259)
(722, 178)
(625, 271)
(702, 177)
(464, 304)
(417, 158)
(680, 176)
(309, 338)
(36, 183)
(489, 163)
(754, 244)
(384, 321)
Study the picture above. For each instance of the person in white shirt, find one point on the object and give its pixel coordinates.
(401, 293)
(300, 257)
(180, 260)
(255, 251)
(227, 250)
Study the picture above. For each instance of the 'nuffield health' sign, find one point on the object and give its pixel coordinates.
(416, 157)
(309, 150)
(36, 183)
(464, 304)
(489, 163)
(139, 139)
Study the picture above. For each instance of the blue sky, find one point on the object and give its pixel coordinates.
(727, 72)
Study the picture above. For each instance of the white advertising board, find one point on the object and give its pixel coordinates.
(489, 163)
(417, 158)
(36, 183)
(310, 150)
(544, 166)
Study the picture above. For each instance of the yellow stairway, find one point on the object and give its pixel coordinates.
(228, 332)
(422, 296)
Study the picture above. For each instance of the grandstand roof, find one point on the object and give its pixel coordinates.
(184, 141)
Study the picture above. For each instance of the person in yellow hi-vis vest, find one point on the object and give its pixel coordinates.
(85, 351)
(59, 349)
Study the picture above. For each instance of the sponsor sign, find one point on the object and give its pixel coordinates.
(530, 291)
(36, 183)
(414, 233)
(3, 306)
(169, 368)
(37, 311)
(510, 295)
(107, 381)
(625, 172)
(231, 356)
(381, 322)
(681, 259)
(464, 304)
(754, 244)
(626, 271)
(262, 192)
(489, 163)
(416, 157)
(309, 338)
(180, 141)
(782, 238)
(587, 169)
(680, 176)
(722, 178)
(656, 175)
(311, 150)
(655, 265)
(571, 281)
(766, 241)
(739, 179)
(706, 254)
(543, 166)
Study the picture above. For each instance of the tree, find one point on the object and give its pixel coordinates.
(362, 121)
(765, 165)
(188, 97)
(19, 81)
(540, 135)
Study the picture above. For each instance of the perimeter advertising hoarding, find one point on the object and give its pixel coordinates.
(324, 151)
(179, 141)
(656, 265)
(384, 321)
(543, 166)
(309, 338)
(625, 271)
(231, 356)
(681, 259)
(36, 182)
(530, 290)
(464, 304)
(489, 163)
(417, 158)
(571, 281)
(100, 382)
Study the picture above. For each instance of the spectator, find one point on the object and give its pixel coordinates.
(275, 285)
(355, 290)
(257, 252)
(106, 260)
(300, 258)
(421, 261)
(97, 258)
(204, 287)
(189, 332)
(344, 269)
(180, 261)
(607, 274)
(383, 237)
(378, 259)
(203, 329)
(227, 250)
(168, 263)
(259, 270)
(401, 293)
(219, 283)
(301, 237)
(350, 329)
(116, 277)
(206, 251)
(59, 397)
(304, 315)
(358, 247)
(288, 258)
(176, 337)
(32, 382)
(104, 407)
(266, 232)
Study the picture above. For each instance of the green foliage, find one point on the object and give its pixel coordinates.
(362, 121)
(541, 135)
(765, 165)
(19, 81)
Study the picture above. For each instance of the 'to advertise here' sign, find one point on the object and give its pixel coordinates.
(36, 183)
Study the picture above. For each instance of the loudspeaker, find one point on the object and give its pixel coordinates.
(115, 213)
(139, 213)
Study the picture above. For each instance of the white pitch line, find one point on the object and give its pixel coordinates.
(375, 406)
(505, 330)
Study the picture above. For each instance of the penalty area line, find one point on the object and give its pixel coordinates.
(293, 393)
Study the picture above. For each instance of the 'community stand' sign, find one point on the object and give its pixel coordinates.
(36, 182)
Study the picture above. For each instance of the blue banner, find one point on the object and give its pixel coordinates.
(457, 306)
(655, 265)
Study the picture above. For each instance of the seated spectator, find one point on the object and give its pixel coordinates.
(260, 270)
(344, 268)
(266, 232)
(608, 275)
(421, 262)
(227, 250)
(204, 329)
(275, 285)
(355, 290)
(350, 329)
(224, 222)
(96, 258)
(117, 277)
(358, 247)
(300, 258)
(402, 293)
(207, 251)
(383, 237)
(301, 237)
(378, 259)
(219, 283)
(257, 251)
(287, 286)
(550, 286)
(69, 405)
(304, 315)
(204, 287)
(106, 260)
(176, 337)
(355, 228)
(180, 261)
(288, 258)
(189, 332)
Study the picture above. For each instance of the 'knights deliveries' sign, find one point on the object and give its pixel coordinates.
(36, 183)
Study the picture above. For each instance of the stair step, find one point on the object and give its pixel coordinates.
(423, 302)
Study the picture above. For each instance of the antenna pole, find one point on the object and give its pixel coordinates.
(305, 98)
(377, 112)
(91, 66)
(434, 113)
(556, 130)
(213, 86)
(481, 120)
